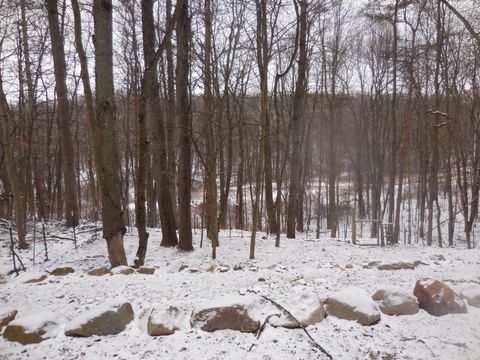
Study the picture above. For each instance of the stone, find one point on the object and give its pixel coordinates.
(218, 268)
(100, 271)
(353, 303)
(145, 270)
(229, 312)
(471, 293)
(3, 279)
(122, 270)
(345, 266)
(399, 265)
(32, 329)
(371, 264)
(62, 271)
(31, 277)
(109, 319)
(245, 266)
(189, 269)
(305, 306)
(396, 301)
(439, 257)
(6, 316)
(437, 298)
(162, 322)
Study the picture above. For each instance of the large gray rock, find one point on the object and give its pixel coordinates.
(471, 293)
(6, 316)
(396, 301)
(100, 271)
(123, 270)
(32, 329)
(399, 265)
(353, 304)
(437, 298)
(109, 319)
(229, 312)
(31, 277)
(62, 271)
(145, 270)
(305, 306)
(165, 321)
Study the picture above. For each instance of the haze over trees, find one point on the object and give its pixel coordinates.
(279, 116)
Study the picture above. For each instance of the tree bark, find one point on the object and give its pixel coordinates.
(66, 142)
(297, 123)
(109, 164)
(185, 125)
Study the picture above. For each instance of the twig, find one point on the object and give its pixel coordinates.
(260, 331)
(315, 344)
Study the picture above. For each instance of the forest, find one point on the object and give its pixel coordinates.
(194, 132)
(277, 112)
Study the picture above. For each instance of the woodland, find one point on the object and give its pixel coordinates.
(276, 116)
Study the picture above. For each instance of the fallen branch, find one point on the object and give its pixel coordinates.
(315, 344)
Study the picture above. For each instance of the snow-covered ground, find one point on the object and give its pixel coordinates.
(298, 265)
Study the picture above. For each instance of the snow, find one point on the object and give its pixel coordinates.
(302, 264)
(48, 321)
(357, 299)
(4, 312)
(397, 295)
(170, 317)
(300, 304)
(25, 277)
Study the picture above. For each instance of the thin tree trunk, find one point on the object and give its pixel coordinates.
(185, 124)
(15, 185)
(66, 142)
(297, 123)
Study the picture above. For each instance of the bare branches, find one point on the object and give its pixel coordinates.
(465, 22)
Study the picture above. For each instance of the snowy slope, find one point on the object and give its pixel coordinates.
(301, 264)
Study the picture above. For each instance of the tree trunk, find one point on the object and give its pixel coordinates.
(66, 142)
(297, 123)
(109, 164)
(185, 125)
(15, 185)
(210, 156)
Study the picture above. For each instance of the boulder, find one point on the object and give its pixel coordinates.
(6, 316)
(166, 321)
(62, 271)
(471, 293)
(305, 306)
(145, 270)
(31, 277)
(109, 319)
(396, 301)
(100, 271)
(399, 265)
(32, 329)
(437, 298)
(229, 312)
(123, 270)
(353, 303)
